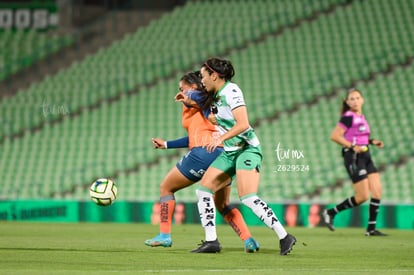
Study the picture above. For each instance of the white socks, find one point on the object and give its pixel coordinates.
(265, 214)
(207, 211)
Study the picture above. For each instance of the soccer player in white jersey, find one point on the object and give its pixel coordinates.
(192, 165)
(242, 157)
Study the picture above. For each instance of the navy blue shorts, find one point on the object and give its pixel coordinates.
(195, 163)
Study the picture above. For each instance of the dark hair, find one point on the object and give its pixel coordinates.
(195, 78)
(345, 107)
(222, 67)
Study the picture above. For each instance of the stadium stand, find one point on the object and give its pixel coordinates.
(292, 59)
(111, 72)
(402, 191)
(21, 48)
(309, 128)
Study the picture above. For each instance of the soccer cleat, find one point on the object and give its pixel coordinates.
(160, 240)
(250, 245)
(208, 247)
(328, 219)
(375, 233)
(286, 244)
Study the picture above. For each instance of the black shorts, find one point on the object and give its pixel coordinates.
(358, 166)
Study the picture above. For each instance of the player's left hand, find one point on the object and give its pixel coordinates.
(378, 143)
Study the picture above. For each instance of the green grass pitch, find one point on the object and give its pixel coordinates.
(116, 248)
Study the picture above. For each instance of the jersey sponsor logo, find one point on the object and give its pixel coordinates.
(238, 99)
(209, 212)
(268, 211)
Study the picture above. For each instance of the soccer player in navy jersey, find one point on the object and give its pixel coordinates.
(352, 132)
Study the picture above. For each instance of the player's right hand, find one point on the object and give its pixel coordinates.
(215, 142)
(181, 97)
(158, 143)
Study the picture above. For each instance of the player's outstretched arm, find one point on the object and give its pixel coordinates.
(159, 143)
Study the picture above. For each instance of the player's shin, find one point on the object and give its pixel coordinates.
(235, 219)
(207, 211)
(166, 213)
(264, 213)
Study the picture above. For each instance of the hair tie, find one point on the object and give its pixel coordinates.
(211, 69)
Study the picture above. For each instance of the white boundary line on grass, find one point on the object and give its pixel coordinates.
(277, 269)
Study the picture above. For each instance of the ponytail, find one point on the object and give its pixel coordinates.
(345, 107)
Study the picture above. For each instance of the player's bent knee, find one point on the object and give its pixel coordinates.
(361, 198)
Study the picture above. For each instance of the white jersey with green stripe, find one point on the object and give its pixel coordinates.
(230, 97)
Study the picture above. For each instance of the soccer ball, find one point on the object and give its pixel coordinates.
(103, 192)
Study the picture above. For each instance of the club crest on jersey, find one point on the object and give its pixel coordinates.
(362, 127)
